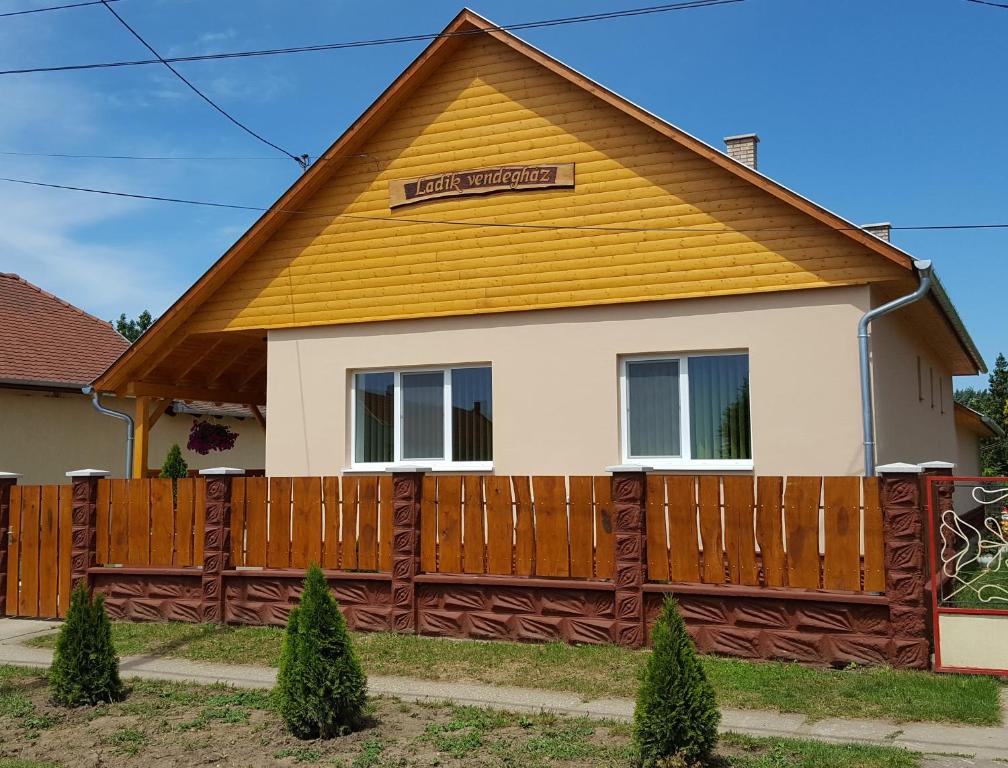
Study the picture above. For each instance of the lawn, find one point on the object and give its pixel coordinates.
(599, 671)
(162, 723)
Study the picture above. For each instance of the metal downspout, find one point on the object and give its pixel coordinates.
(116, 415)
(923, 268)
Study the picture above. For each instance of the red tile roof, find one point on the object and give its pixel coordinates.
(45, 340)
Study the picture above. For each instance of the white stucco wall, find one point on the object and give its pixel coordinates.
(555, 378)
(43, 435)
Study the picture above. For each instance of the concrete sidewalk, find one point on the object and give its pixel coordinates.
(983, 744)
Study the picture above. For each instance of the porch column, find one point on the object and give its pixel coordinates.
(216, 541)
(903, 530)
(629, 491)
(407, 490)
(7, 481)
(141, 438)
(83, 516)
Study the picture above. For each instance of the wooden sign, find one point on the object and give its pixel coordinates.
(480, 182)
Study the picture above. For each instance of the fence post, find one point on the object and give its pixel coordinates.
(903, 529)
(629, 490)
(216, 541)
(83, 530)
(7, 479)
(407, 490)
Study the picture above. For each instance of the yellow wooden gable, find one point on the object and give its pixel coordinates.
(346, 257)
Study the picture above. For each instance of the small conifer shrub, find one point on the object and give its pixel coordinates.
(321, 689)
(676, 715)
(174, 466)
(85, 668)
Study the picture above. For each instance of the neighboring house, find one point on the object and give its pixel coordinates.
(503, 266)
(49, 349)
(972, 427)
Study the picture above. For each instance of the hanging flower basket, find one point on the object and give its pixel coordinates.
(206, 436)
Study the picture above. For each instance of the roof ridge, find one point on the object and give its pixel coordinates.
(64, 302)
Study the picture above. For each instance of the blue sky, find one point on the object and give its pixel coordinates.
(877, 109)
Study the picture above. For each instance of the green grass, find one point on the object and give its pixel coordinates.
(792, 753)
(596, 671)
(989, 587)
(13, 762)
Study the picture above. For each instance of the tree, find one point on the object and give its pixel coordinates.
(321, 689)
(992, 403)
(676, 714)
(131, 330)
(85, 668)
(174, 467)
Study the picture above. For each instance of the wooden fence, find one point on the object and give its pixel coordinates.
(38, 555)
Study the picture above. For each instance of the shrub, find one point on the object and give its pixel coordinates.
(676, 714)
(321, 689)
(174, 465)
(85, 668)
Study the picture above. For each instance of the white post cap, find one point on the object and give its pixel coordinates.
(628, 468)
(899, 468)
(936, 465)
(9, 475)
(88, 473)
(222, 471)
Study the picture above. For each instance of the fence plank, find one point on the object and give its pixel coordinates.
(740, 539)
(770, 531)
(118, 522)
(710, 529)
(199, 520)
(842, 530)
(66, 545)
(874, 543)
(473, 539)
(28, 600)
(449, 517)
(657, 543)
(255, 521)
(524, 535)
(582, 527)
(801, 523)
(367, 534)
(237, 522)
(306, 532)
(385, 523)
(552, 542)
(605, 552)
(331, 527)
(48, 564)
(428, 525)
(162, 522)
(278, 547)
(138, 522)
(102, 501)
(500, 525)
(185, 516)
(348, 525)
(14, 549)
(684, 541)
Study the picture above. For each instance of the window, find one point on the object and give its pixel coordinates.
(689, 411)
(439, 418)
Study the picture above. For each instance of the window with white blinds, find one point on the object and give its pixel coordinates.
(687, 411)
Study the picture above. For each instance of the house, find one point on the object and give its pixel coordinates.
(971, 428)
(503, 266)
(49, 350)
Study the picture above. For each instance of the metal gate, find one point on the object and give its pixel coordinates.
(969, 567)
(38, 554)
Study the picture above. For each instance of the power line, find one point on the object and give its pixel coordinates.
(490, 224)
(302, 161)
(200, 158)
(53, 8)
(630, 12)
(988, 2)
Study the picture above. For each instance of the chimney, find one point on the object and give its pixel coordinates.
(880, 230)
(742, 148)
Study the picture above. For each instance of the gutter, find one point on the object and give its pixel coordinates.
(96, 402)
(924, 273)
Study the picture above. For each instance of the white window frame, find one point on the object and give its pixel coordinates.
(685, 461)
(434, 464)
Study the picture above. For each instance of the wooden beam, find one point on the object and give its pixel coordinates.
(258, 415)
(157, 410)
(198, 359)
(228, 362)
(254, 374)
(162, 389)
(141, 437)
(160, 356)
